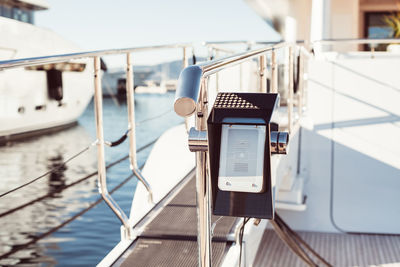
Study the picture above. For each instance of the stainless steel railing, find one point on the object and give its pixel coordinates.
(316, 45)
(192, 98)
(357, 41)
(95, 55)
(34, 61)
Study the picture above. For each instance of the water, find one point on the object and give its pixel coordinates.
(85, 241)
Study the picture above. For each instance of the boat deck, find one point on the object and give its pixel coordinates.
(337, 249)
(169, 239)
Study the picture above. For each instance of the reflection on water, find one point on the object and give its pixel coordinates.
(85, 241)
(56, 177)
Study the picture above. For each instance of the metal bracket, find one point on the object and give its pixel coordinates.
(279, 142)
(198, 140)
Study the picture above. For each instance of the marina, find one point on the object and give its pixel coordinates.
(265, 153)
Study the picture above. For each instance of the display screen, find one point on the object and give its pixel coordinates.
(242, 152)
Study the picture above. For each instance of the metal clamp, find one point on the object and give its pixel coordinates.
(279, 142)
(198, 140)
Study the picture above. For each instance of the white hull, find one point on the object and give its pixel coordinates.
(24, 103)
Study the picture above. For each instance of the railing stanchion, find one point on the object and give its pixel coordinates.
(203, 187)
(300, 82)
(262, 73)
(290, 93)
(185, 63)
(101, 165)
(130, 99)
(216, 74)
(274, 72)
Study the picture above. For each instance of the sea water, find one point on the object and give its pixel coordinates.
(39, 231)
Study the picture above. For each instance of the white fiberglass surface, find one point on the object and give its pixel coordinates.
(362, 119)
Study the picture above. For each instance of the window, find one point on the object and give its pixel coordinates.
(25, 16)
(16, 13)
(6, 11)
(376, 28)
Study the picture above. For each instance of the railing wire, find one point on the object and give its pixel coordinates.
(37, 238)
(49, 171)
(72, 184)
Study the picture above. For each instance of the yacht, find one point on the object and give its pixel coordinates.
(50, 96)
(324, 111)
(335, 193)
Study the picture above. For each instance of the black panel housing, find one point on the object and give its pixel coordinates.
(241, 105)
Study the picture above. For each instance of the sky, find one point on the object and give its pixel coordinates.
(105, 24)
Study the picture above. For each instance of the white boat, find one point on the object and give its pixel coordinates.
(337, 187)
(42, 97)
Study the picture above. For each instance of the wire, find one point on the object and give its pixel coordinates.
(125, 135)
(35, 239)
(241, 232)
(155, 117)
(108, 143)
(292, 245)
(296, 243)
(50, 171)
(58, 190)
(298, 239)
(119, 140)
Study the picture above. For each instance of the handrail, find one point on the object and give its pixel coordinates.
(217, 65)
(34, 61)
(357, 41)
(233, 42)
(126, 232)
(192, 97)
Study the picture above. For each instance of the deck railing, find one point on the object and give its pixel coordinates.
(98, 95)
(192, 98)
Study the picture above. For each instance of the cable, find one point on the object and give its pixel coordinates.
(125, 135)
(298, 239)
(35, 239)
(155, 117)
(292, 245)
(296, 243)
(58, 190)
(50, 171)
(118, 141)
(241, 232)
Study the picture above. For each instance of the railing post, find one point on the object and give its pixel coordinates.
(290, 93)
(216, 74)
(101, 165)
(274, 72)
(130, 99)
(98, 112)
(262, 73)
(185, 63)
(300, 82)
(203, 187)
(241, 77)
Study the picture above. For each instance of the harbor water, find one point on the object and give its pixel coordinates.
(41, 233)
